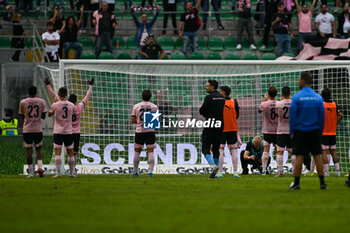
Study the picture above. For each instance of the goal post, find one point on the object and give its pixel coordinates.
(178, 88)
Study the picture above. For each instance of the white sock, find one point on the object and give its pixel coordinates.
(58, 163)
(150, 162)
(293, 159)
(312, 165)
(280, 163)
(71, 164)
(326, 168)
(40, 164)
(31, 169)
(234, 160)
(337, 167)
(136, 162)
(221, 161)
(264, 159)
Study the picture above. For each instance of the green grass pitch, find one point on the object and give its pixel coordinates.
(172, 203)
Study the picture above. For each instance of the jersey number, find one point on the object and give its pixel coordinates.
(65, 115)
(142, 110)
(285, 109)
(273, 114)
(31, 108)
(74, 117)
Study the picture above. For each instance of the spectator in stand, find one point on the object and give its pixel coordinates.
(216, 5)
(282, 29)
(7, 6)
(325, 23)
(69, 35)
(57, 18)
(143, 29)
(270, 11)
(104, 22)
(259, 16)
(344, 23)
(151, 50)
(17, 30)
(52, 42)
(244, 21)
(189, 23)
(126, 4)
(169, 5)
(305, 17)
(86, 4)
(111, 5)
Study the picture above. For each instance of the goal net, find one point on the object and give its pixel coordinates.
(178, 88)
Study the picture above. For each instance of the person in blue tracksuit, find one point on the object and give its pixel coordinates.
(306, 120)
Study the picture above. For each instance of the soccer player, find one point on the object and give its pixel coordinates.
(270, 124)
(32, 110)
(62, 130)
(212, 108)
(143, 136)
(78, 109)
(332, 118)
(306, 122)
(229, 135)
(283, 136)
(252, 155)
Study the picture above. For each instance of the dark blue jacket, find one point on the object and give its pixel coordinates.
(307, 111)
(140, 26)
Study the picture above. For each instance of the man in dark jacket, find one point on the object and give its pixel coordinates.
(212, 109)
(104, 22)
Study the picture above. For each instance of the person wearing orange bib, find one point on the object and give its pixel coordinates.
(332, 117)
(229, 135)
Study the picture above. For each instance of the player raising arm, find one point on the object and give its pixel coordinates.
(332, 118)
(62, 130)
(229, 135)
(283, 137)
(32, 110)
(144, 136)
(270, 124)
(78, 109)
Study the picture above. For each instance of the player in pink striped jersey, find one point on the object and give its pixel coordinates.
(143, 136)
(284, 141)
(62, 131)
(270, 124)
(32, 110)
(78, 109)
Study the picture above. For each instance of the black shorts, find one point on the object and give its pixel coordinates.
(284, 141)
(270, 138)
(211, 142)
(67, 139)
(30, 138)
(328, 140)
(148, 138)
(307, 142)
(76, 140)
(229, 137)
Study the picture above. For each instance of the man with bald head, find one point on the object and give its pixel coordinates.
(143, 29)
(252, 155)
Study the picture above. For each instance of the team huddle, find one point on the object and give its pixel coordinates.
(302, 125)
(66, 129)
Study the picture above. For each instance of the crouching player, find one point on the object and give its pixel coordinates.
(229, 135)
(78, 109)
(332, 118)
(62, 130)
(253, 155)
(32, 110)
(283, 137)
(144, 136)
